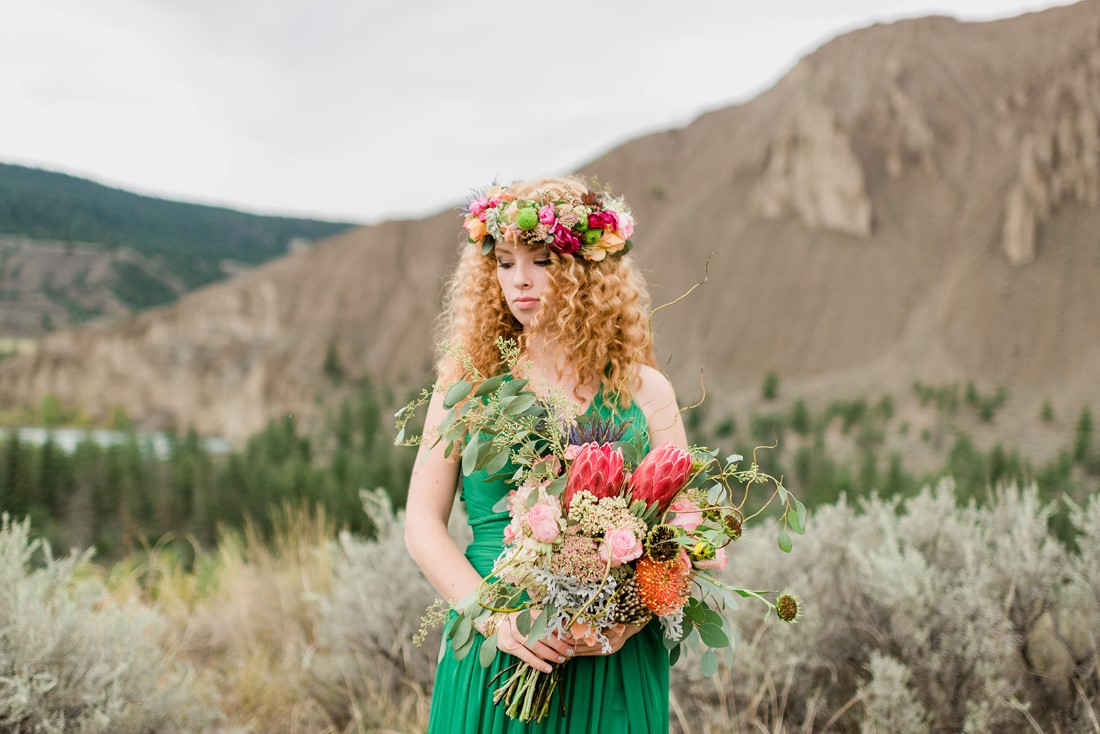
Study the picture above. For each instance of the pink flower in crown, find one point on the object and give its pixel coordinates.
(688, 515)
(494, 202)
(622, 545)
(478, 206)
(547, 215)
(718, 563)
(544, 522)
(566, 241)
(626, 225)
(603, 220)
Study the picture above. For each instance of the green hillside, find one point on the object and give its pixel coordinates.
(189, 240)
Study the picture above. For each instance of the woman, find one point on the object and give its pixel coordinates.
(569, 294)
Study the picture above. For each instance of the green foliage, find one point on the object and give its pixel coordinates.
(726, 427)
(139, 289)
(1082, 442)
(800, 417)
(119, 497)
(190, 240)
(1046, 413)
(769, 390)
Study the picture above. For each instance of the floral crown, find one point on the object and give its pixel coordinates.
(592, 226)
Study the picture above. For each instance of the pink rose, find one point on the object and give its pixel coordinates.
(623, 546)
(717, 563)
(543, 520)
(547, 215)
(626, 225)
(688, 515)
(510, 534)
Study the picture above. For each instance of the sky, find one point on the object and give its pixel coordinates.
(364, 110)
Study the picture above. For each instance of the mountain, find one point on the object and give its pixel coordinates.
(72, 249)
(912, 201)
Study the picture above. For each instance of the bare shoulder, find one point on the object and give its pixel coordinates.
(657, 399)
(653, 386)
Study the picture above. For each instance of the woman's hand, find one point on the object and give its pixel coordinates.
(539, 654)
(585, 644)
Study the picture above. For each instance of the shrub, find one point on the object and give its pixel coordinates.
(918, 616)
(73, 659)
(770, 389)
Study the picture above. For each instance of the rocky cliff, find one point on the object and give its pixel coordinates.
(916, 200)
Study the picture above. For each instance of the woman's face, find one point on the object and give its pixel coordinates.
(522, 274)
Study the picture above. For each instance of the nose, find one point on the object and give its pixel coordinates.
(521, 273)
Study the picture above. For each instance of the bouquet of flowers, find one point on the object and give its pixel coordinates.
(601, 536)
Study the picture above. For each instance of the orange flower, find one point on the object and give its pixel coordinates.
(663, 586)
(475, 228)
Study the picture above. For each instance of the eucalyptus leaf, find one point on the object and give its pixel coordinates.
(464, 628)
(458, 391)
(512, 387)
(713, 635)
(399, 437)
(538, 627)
(712, 617)
(497, 463)
(785, 541)
(674, 655)
(523, 622)
(463, 651)
(734, 458)
(469, 457)
(801, 510)
(708, 663)
(794, 521)
(488, 650)
(488, 386)
(520, 403)
(782, 493)
(714, 494)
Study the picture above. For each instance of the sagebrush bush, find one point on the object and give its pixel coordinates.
(918, 616)
(74, 659)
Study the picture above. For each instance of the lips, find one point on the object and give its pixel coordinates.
(525, 301)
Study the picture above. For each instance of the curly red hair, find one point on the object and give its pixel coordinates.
(595, 313)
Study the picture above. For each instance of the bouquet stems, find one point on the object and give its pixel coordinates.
(526, 692)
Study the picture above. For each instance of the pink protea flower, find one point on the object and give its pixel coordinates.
(598, 469)
(661, 475)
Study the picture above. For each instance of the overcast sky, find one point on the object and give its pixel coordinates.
(362, 110)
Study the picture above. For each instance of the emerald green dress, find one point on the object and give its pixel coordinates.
(622, 693)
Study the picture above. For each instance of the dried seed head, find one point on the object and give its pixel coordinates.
(787, 607)
(661, 545)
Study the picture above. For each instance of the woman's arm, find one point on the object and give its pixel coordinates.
(427, 510)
